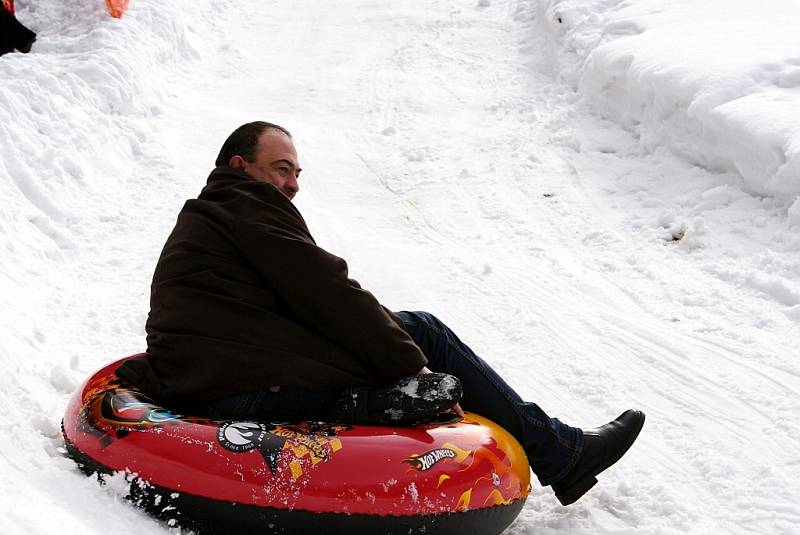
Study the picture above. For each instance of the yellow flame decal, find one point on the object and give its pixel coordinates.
(484, 453)
(496, 498)
(296, 468)
(463, 501)
(460, 454)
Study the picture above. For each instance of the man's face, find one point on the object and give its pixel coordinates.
(275, 162)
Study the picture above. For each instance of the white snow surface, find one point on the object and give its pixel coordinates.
(603, 207)
(716, 81)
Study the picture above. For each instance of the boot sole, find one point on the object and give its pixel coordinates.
(582, 486)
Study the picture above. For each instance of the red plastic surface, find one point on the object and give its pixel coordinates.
(116, 7)
(312, 466)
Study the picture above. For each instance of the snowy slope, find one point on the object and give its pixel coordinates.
(445, 140)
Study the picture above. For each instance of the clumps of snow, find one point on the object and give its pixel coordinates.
(62, 379)
(45, 426)
(413, 492)
(117, 484)
(690, 236)
(777, 288)
(389, 484)
(447, 386)
(444, 388)
(395, 414)
(411, 388)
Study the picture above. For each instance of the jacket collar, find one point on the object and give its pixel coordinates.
(224, 172)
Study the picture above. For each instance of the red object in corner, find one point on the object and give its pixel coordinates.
(115, 7)
(9, 5)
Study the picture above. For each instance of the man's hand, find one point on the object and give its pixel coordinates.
(455, 408)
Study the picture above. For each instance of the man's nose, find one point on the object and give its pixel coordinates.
(293, 187)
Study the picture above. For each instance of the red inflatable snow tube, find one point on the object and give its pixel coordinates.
(456, 477)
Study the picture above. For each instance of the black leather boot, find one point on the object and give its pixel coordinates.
(411, 399)
(602, 447)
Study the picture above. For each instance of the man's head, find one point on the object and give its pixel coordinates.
(265, 152)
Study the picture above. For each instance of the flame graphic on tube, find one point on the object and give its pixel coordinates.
(501, 487)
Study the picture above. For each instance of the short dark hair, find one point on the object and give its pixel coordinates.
(244, 140)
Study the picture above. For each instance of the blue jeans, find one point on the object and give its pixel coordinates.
(552, 447)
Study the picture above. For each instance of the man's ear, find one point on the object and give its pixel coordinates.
(237, 162)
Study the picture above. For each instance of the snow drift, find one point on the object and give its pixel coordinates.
(717, 81)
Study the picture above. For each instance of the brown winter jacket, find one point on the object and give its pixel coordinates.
(242, 298)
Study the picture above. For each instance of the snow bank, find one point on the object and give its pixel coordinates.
(718, 81)
(77, 115)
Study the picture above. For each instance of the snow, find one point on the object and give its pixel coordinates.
(604, 207)
(410, 389)
(443, 388)
(718, 82)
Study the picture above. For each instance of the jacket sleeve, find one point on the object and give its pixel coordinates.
(316, 287)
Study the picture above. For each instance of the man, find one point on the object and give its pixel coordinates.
(250, 318)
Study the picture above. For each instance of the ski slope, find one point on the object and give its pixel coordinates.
(466, 158)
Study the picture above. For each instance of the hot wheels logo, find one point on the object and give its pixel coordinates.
(426, 460)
